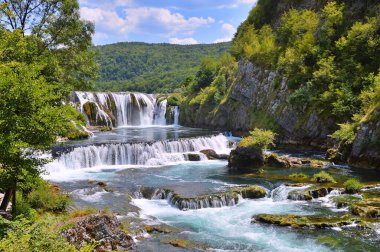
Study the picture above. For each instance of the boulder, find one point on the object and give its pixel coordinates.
(309, 193)
(333, 155)
(103, 229)
(192, 157)
(274, 160)
(246, 157)
(212, 155)
(250, 192)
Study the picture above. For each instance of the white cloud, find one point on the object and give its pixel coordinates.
(162, 21)
(142, 20)
(229, 31)
(237, 3)
(183, 41)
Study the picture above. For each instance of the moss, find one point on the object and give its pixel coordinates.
(251, 192)
(298, 176)
(352, 186)
(323, 177)
(345, 200)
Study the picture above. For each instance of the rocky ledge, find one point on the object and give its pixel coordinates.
(244, 158)
(229, 197)
(295, 221)
(102, 229)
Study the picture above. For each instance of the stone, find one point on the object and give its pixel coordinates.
(276, 161)
(193, 157)
(295, 221)
(212, 155)
(104, 229)
(246, 157)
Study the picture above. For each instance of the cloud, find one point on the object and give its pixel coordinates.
(183, 41)
(141, 20)
(162, 21)
(237, 3)
(229, 31)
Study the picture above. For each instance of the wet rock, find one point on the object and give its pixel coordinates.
(99, 228)
(295, 221)
(369, 209)
(274, 160)
(246, 157)
(212, 155)
(250, 192)
(162, 228)
(193, 157)
(309, 193)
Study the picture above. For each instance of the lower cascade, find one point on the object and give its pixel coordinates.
(150, 154)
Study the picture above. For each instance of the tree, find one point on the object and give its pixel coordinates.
(44, 54)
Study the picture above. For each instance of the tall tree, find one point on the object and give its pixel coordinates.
(45, 52)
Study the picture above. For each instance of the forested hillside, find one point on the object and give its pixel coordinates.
(308, 70)
(150, 68)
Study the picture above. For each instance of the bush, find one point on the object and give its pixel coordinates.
(323, 177)
(352, 186)
(46, 197)
(258, 138)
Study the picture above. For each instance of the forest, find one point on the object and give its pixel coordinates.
(150, 68)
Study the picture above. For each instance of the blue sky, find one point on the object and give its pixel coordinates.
(169, 21)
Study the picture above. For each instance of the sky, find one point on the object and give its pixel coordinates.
(165, 21)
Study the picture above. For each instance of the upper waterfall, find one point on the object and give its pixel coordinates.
(120, 109)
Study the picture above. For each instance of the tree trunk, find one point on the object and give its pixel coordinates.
(6, 200)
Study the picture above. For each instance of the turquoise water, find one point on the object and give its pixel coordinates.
(220, 229)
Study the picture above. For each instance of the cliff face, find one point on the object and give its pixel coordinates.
(366, 147)
(259, 98)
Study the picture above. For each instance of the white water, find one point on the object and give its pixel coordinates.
(176, 115)
(143, 154)
(130, 108)
(230, 228)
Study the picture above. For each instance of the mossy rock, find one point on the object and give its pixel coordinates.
(251, 192)
(368, 209)
(295, 221)
(345, 200)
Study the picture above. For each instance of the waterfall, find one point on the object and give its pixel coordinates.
(151, 154)
(176, 115)
(120, 109)
(282, 192)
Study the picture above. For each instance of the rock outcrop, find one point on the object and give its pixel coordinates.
(243, 158)
(103, 229)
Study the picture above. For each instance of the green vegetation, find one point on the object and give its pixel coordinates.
(300, 176)
(41, 62)
(327, 52)
(352, 186)
(323, 177)
(258, 138)
(150, 68)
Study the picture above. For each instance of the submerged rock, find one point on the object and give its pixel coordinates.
(103, 229)
(211, 155)
(295, 221)
(246, 157)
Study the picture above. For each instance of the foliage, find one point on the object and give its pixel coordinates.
(352, 186)
(323, 177)
(346, 133)
(46, 197)
(150, 68)
(44, 54)
(42, 235)
(258, 138)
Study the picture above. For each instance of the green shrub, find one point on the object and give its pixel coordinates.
(258, 138)
(323, 177)
(46, 197)
(299, 175)
(352, 186)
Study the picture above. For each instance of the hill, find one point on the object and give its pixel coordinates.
(150, 68)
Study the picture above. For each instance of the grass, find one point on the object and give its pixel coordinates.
(352, 186)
